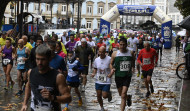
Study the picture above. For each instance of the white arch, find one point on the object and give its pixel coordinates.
(140, 10)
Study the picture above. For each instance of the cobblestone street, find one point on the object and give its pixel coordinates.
(166, 85)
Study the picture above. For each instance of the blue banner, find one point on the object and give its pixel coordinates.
(137, 10)
(104, 27)
(167, 34)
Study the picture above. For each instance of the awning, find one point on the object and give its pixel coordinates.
(7, 16)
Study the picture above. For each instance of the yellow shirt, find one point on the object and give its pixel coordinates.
(3, 41)
(29, 46)
(63, 48)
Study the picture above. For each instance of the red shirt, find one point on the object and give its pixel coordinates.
(77, 39)
(101, 44)
(115, 45)
(147, 58)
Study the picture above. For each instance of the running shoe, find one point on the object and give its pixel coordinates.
(12, 84)
(80, 102)
(109, 96)
(151, 89)
(148, 94)
(102, 109)
(5, 88)
(129, 101)
(66, 109)
(19, 93)
(142, 76)
(138, 74)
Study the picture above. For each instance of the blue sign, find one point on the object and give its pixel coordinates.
(104, 27)
(138, 10)
(167, 34)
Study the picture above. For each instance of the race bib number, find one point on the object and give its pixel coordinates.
(160, 45)
(20, 60)
(102, 78)
(125, 65)
(40, 108)
(146, 61)
(155, 44)
(6, 61)
(115, 49)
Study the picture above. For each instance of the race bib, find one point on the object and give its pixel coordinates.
(146, 61)
(115, 49)
(20, 60)
(155, 44)
(125, 65)
(6, 61)
(160, 45)
(102, 78)
(40, 108)
(132, 45)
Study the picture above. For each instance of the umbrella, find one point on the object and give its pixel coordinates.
(182, 33)
(185, 23)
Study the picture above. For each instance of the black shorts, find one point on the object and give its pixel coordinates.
(147, 73)
(122, 81)
(73, 84)
(85, 71)
(4, 65)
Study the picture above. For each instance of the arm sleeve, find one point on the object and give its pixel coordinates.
(139, 57)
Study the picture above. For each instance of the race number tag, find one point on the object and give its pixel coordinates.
(125, 65)
(20, 60)
(40, 108)
(132, 46)
(146, 61)
(102, 78)
(160, 45)
(6, 61)
(115, 49)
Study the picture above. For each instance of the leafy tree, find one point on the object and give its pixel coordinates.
(183, 6)
(3, 5)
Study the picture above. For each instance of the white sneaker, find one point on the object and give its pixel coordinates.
(83, 88)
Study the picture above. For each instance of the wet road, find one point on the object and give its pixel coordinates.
(166, 97)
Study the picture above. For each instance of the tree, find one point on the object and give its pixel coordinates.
(3, 5)
(183, 6)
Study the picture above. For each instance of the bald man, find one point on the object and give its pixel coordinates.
(25, 39)
(146, 59)
(22, 56)
(103, 82)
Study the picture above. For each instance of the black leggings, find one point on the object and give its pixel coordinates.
(177, 48)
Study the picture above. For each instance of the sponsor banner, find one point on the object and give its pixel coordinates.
(111, 15)
(104, 26)
(137, 10)
(167, 34)
(160, 16)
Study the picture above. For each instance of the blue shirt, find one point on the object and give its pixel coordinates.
(34, 44)
(58, 63)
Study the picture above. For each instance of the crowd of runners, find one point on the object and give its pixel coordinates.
(47, 69)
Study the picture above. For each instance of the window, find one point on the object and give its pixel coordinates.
(64, 8)
(100, 10)
(76, 9)
(88, 25)
(89, 9)
(110, 7)
(36, 7)
(177, 19)
(48, 7)
(111, 25)
(25, 6)
(173, 19)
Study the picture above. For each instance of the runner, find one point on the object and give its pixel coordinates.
(32, 41)
(121, 64)
(32, 57)
(22, 56)
(106, 41)
(84, 53)
(74, 69)
(8, 54)
(55, 39)
(100, 43)
(63, 38)
(71, 44)
(59, 51)
(47, 85)
(91, 43)
(140, 46)
(26, 43)
(115, 45)
(103, 82)
(148, 55)
(160, 41)
(57, 62)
